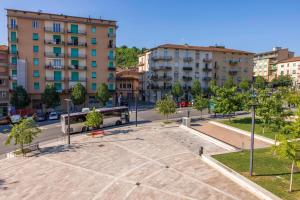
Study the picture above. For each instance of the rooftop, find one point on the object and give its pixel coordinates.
(201, 48)
(294, 59)
(3, 48)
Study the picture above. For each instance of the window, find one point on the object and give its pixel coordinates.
(93, 29)
(13, 23)
(74, 40)
(58, 86)
(56, 27)
(111, 64)
(14, 85)
(14, 72)
(35, 61)
(13, 36)
(197, 64)
(57, 62)
(14, 60)
(34, 24)
(111, 55)
(36, 73)
(94, 86)
(93, 74)
(74, 76)
(111, 44)
(75, 63)
(294, 71)
(120, 85)
(35, 36)
(93, 41)
(57, 75)
(110, 76)
(36, 86)
(124, 85)
(128, 85)
(111, 86)
(13, 48)
(74, 52)
(110, 31)
(94, 52)
(197, 55)
(35, 49)
(56, 50)
(57, 39)
(2, 82)
(94, 63)
(74, 28)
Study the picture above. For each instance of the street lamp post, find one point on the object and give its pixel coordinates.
(252, 128)
(136, 110)
(68, 110)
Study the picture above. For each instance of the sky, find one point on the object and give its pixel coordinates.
(251, 25)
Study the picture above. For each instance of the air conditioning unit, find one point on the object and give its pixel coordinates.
(186, 121)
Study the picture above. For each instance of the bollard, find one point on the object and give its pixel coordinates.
(201, 151)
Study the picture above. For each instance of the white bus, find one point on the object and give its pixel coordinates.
(111, 116)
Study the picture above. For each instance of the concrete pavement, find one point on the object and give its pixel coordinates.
(153, 161)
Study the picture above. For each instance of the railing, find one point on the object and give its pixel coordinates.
(232, 72)
(163, 67)
(207, 60)
(111, 57)
(72, 43)
(13, 52)
(80, 79)
(54, 67)
(155, 58)
(13, 41)
(54, 55)
(54, 79)
(54, 42)
(207, 69)
(154, 87)
(3, 64)
(187, 59)
(187, 78)
(9, 26)
(187, 68)
(51, 29)
(80, 55)
(167, 87)
(233, 62)
(111, 78)
(83, 32)
(111, 46)
(164, 78)
(111, 68)
(73, 67)
(12, 65)
(13, 77)
(110, 35)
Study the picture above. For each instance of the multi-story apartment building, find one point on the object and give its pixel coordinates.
(169, 63)
(4, 91)
(265, 63)
(62, 50)
(290, 67)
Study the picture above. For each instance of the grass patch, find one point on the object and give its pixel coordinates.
(245, 124)
(270, 172)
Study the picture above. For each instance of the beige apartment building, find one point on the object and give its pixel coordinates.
(166, 64)
(4, 89)
(62, 50)
(290, 67)
(265, 63)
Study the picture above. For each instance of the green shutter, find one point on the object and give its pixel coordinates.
(94, 74)
(111, 55)
(35, 49)
(75, 63)
(36, 73)
(14, 60)
(57, 75)
(35, 36)
(74, 28)
(14, 72)
(94, 52)
(94, 41)
(57, 50)
(35, 61)
(74, 76)
(94, 86)
(93, 29)
(13, 48)
(94, 64)
(14, 85)
(13, 36)
(58, 86)
(36, 86)
(74, 52)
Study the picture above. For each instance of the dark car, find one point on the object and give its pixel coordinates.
(40, 117)
(4, 120)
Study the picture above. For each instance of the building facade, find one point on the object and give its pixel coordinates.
(290, 67)
(166, 64)
(265, 63)
(61, 50)
(4, 81)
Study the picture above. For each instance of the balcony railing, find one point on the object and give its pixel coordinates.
(82, 32)
(207, 60)
(233, 62)
(164, 78)
(50, 67)
(13, 77)
(111, 57)
(207, 69)
(80, 55)
(54, 55)
(80, 44)
(13, 52)
(233, 72)
(112, 68)
(154, 87)
(206, 78)
(80, 79)
(162, 67)
(54, 79)
(187, 59)
(111, 79)
(187, 68)
(12, 65)
(52, 30)
(15, 40)
(165, 87)
(156, 58)
(111, 35)
(15, 27)
(54, 42)
(187, 78)
(74, 67)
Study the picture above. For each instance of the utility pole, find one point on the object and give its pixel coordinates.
(68, 109)
(136, 110)
(252, 129)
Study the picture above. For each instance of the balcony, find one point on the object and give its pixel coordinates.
(79, 55)
(13, 52)
(206, 78)
(112, 58)
(54, 79)
(15, 40)
(207, 69)
(80, 79)
(52, 67)
(166, 58)
(187, 59)
(162, 67)
(73, 67)
(164, 78)
(187, 68)
(77, 44)
(54, 42)
(233, 72)
(54, 55)
(15, 27)
(154, 86)
(111, 46)
(111, 68)
(207, 60)
(233, 62)
(51, 30)
(13, 77)
(79, 32)
(111, 35)
(110, 79)
(12, 65)
(187, 78)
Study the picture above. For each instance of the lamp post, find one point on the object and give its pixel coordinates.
(68, 110)
(252, 128)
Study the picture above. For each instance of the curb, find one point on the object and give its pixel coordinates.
(210, 139)
(258, 137)
(252, 187)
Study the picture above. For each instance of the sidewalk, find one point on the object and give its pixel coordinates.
(228, 136)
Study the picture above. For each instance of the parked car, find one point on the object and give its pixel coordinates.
(4, 120)
(39, 117)
(15, 119)
(85, 110)
(53, 116)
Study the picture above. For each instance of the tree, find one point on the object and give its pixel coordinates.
(166, 106)
(200, 103)
(282, 81)
(196, 88)
(229, 83)
(50, 97)
(103, 94)
(265, 107)
(260, 82)
(244, 85)
(177, 90)
(94, 119)
(23, 133)
(128, 57)
(78, 94)
(19, 98)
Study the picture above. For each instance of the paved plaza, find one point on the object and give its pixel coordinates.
(151, 161)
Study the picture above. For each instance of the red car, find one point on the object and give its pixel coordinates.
(184, 104)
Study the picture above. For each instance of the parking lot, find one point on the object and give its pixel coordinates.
(153, 161)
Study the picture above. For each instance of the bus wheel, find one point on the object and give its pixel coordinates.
(118, 122)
